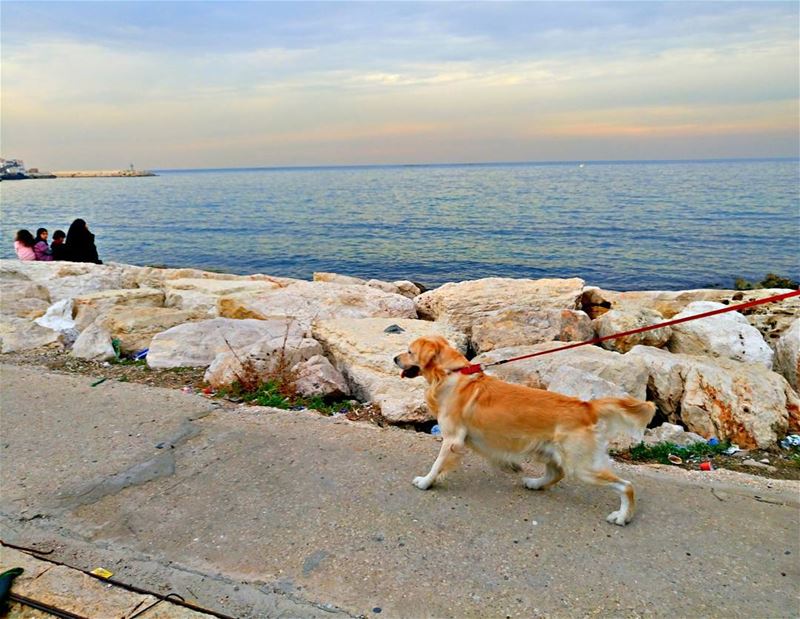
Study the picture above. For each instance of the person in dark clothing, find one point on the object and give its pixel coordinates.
(57, 247)
(80, 243)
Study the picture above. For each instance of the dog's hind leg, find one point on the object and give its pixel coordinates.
(552, 475)
(449, 456)
(622, 487)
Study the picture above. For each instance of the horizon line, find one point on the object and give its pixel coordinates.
(478, 164)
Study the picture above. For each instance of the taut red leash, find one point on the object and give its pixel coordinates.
(479, 367)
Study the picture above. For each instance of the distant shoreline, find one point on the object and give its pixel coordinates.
(102, 173)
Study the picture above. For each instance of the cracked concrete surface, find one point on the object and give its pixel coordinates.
(256, 512)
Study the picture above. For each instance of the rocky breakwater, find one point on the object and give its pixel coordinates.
(731, 376)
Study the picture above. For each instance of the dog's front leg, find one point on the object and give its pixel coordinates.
(448, 458)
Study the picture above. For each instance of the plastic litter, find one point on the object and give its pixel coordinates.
(713, 441)
(98, 382)
(58, 316)
(141, 354)
(706, 466)
(732, 450)
(674, 459)
(793, 440)
(102, 572)
(187, 390)
(436, 430)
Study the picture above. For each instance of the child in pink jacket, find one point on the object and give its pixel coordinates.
(23, 245)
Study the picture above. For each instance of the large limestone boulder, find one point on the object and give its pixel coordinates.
(87, 307)
(272, 356)
(309, 301)
(787, 355)
(196, 344)
(726, 335)
(771, 319)
(65, 280)
(94, 343)
(618, 321)
(135, 327)
(403, 287)
(154, 277)
(717, 397)
(627, 374)
(202, 294)
(317, 377)
(23, 298)
(363, 351)
(501, 312)
(583, 385)
(671, 433)
(18, 334)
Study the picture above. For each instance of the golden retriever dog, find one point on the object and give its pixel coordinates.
(509, 423)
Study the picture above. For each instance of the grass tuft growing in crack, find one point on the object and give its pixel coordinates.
(660, 451)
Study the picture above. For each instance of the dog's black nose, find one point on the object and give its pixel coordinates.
(396, 358)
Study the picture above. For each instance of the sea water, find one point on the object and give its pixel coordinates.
(618, 225)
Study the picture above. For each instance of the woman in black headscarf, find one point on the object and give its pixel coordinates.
(80, 243)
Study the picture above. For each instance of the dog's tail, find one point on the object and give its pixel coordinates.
(624, 415)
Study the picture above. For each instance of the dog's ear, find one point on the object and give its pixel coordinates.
(427, 350)
(451, 359)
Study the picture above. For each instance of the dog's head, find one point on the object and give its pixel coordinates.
(429, 356)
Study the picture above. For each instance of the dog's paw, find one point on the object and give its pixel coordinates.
(534, 483)
(619, 518)
(422, 483)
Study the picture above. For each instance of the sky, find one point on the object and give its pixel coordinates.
(101, 85)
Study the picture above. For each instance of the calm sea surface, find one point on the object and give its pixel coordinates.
(626, 226)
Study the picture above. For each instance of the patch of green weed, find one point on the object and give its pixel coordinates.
(273, 393)
(660, 451)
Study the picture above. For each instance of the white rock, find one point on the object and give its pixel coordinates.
(135, 327)
(94, 343)
(196, 344)
(787, 355)
(627, 373)
(726, 335)
(65, 280)
(501, 312)
(583, 385)
(152, 277)
(261, 360)
(309, 301)
(18, 334)
(317, 377)
(618, 321)
(771, 319)
(89, 306)
(741, 402)
(671, 433)
(23, 298)
(202, 294)
(403, 287)
(364, 353)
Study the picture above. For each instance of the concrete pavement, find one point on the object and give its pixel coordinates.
(260, 513)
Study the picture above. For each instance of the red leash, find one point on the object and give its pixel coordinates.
(478, 367)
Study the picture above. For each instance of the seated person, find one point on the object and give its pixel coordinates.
(23, 245)
(57, 247)
(80, 243)
(40, 247)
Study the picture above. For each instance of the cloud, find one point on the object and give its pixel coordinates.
(200, 80)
